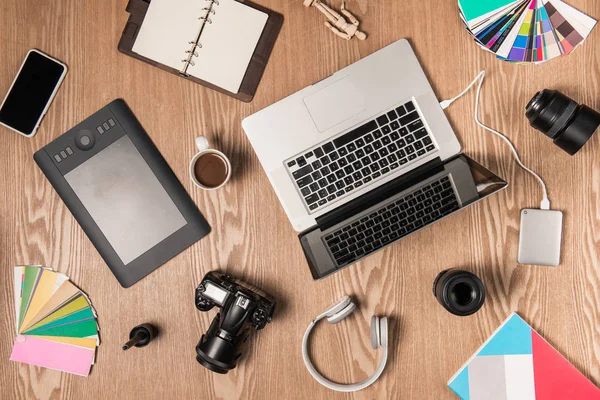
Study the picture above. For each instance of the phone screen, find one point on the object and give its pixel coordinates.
(31, 92)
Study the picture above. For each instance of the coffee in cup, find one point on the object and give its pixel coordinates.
(209, 169)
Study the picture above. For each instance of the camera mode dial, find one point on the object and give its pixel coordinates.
(259, 318)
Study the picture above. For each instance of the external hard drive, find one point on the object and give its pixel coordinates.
(540, 238)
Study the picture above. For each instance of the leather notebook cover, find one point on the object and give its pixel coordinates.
(137, 10)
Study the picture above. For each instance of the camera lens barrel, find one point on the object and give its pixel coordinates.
(562, 119)
(460, 292)
(216, 354)
(579, 131)
(549, 112)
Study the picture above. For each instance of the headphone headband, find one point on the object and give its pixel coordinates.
(381, 329)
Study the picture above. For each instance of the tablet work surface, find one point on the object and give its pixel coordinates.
(125, 199)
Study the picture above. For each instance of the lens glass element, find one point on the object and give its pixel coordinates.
(462, 294)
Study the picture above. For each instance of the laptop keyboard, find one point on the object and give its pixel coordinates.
(332, 170)
(391, 222)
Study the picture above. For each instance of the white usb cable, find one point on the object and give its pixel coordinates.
(545, 204)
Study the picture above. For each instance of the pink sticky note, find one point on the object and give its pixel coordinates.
(53, 355)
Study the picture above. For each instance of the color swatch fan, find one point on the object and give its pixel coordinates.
(525, 31)
(516, 363)
(56, 324)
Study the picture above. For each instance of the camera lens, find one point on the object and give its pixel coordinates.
(216, 354)
(459, 292)
(569, 124)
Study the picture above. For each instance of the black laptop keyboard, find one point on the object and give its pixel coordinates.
(332, 170)
(391, 222)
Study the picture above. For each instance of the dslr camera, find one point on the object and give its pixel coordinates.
(242, 308)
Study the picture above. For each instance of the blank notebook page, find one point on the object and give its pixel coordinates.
(228, 44)
(168, 27)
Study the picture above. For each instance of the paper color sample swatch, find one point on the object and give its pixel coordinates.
(525, 31)
(55, 322)
(516, 363)
(54, 355)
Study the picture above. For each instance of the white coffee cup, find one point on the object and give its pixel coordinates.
(219, 179)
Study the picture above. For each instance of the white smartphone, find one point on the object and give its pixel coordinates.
(31, 93)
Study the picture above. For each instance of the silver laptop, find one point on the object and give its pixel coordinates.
(348, 143)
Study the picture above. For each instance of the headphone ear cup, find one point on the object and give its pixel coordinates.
(383, 328)
(337, 317)
(375, 332)
(336, 307)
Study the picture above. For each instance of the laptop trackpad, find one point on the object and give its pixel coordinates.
(335, 104)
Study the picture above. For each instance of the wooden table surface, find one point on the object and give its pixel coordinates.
(253, 239)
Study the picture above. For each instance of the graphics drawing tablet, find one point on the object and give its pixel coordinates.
(122, 192)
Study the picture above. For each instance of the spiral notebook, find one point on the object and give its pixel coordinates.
(212, 40)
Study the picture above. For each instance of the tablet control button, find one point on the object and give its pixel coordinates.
(63, 154)
(100, 130)
(85, 139)
(57, 158)
(111, 122)
(69, 150)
